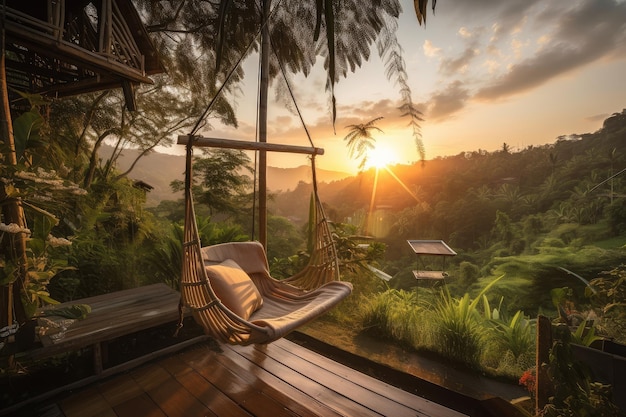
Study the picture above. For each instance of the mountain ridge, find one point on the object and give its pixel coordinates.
(159, 169)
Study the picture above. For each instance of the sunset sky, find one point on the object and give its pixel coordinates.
(483, 73)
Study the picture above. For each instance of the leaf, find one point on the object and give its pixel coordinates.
(491, 284)
(318, 19)
(330, 42)
(43, 212)
(219, 41)
(487, 308)
(420, 9)
(47, 299)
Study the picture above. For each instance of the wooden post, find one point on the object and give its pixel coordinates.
(544, 344)
(263, 93)
(12, 211)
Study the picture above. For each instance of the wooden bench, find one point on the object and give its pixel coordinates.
(112, 315)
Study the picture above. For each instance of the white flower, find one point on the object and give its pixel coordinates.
(58, 241)
(13, 228)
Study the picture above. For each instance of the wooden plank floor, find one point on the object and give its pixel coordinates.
(281, 379)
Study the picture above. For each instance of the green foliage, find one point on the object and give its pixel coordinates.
(608, 296)
(392, 314)
(285, 240)
(43, 195)
(167, 256)
(468, 273)
(111, 236)
(45, 258)
(219, 178)
(458, 330)
(617, 217)
(585, 334)
(354, 256)
(575, 395)
(516, 334)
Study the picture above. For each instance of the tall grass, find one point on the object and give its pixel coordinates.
(510, 347)
(458, 327)
(455, 328)
(458, 330)
(393, 314)
(516, 334)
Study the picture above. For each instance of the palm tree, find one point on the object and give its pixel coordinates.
(360, 140)
(295, 33)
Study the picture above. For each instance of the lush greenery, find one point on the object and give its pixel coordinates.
(546, 217)
(537, 230)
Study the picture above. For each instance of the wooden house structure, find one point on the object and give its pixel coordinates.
(61, 48)
(66, 47)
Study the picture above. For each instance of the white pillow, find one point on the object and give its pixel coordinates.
(234, 288)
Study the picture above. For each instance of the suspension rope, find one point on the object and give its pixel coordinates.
(293, 98)
(230, 74)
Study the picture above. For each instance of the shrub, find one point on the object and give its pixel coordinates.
(458, 330)
(392, 314)
(468, 273)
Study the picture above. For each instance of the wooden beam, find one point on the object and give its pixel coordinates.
(200, 141)
(48, 46)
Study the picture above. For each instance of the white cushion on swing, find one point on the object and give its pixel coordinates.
(234, 288)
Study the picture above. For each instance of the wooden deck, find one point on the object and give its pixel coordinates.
(112, 315)
(281, 379)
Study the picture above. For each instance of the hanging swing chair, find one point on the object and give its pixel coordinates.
(229, 289)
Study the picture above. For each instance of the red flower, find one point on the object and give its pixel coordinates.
(528, 380)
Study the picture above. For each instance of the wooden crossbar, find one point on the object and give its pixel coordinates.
(200, 141)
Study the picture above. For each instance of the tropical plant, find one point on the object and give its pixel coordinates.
(167, 256)
(574, 392)
(360, 140)
(220, 177)
(354, 255)
(585, 334)
(46, 255)
(392, 314)
(44, 197)
(458, 331)
(608, 295)
(515, 334)
(202, 41)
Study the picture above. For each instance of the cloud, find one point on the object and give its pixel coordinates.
(451, 66)
(598, 117)
(430, 50)
(283, 123)
(593, 30)
(465, 33)
(509, 14)
(459, 64)
(446, 102)
(321, 128)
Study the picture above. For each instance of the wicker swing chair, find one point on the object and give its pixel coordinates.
(228, 287)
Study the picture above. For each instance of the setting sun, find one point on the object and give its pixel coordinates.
(380, 157)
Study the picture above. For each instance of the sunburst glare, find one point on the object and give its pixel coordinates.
(380, 157)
